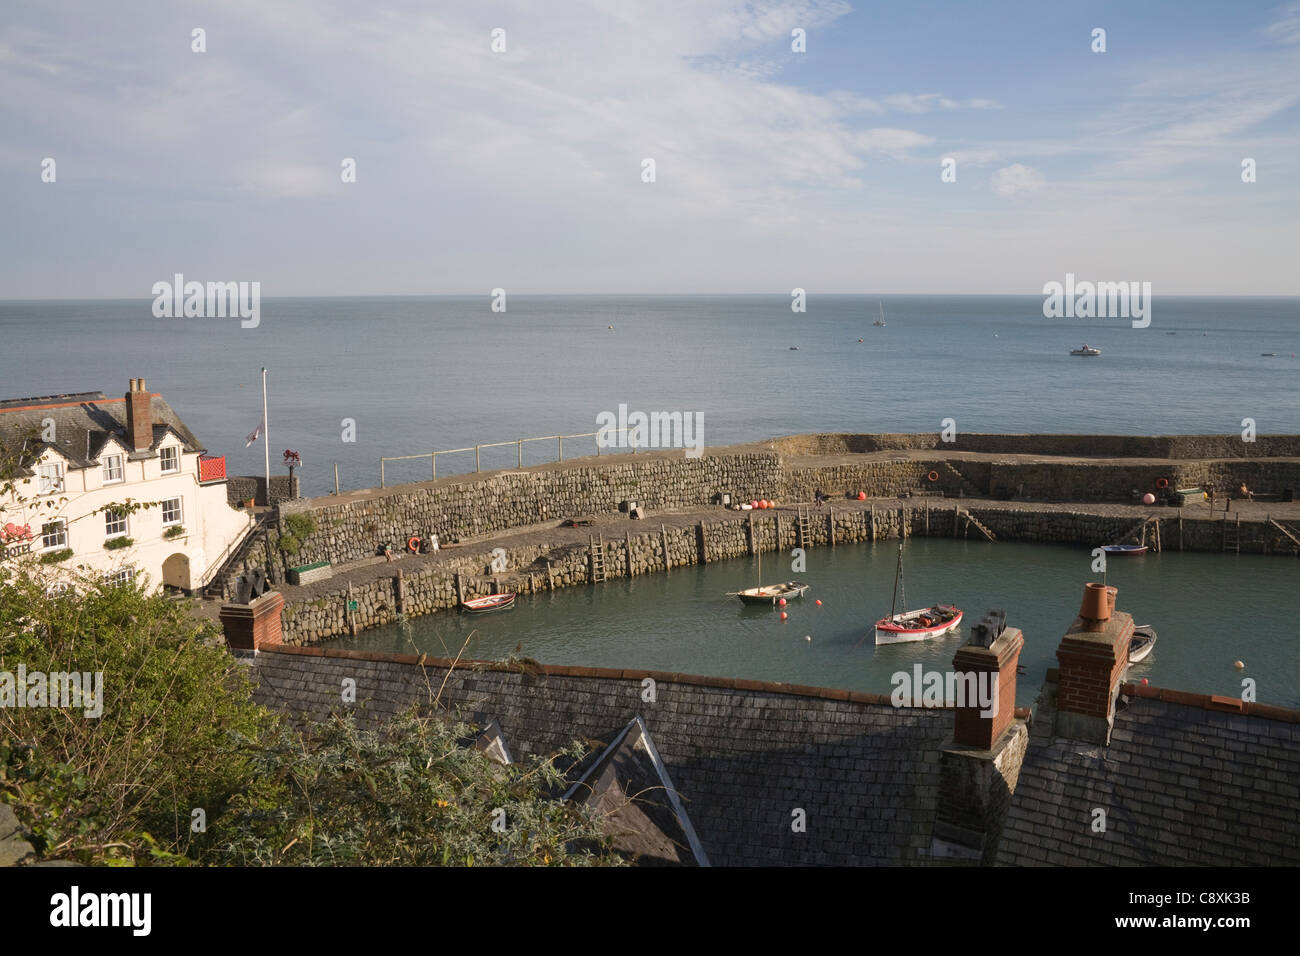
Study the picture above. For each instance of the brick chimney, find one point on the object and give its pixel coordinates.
(139, 419)
(979, 769)
(1093, 656)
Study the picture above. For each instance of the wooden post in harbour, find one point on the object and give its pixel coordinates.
(663, 540)
(400, 591)
(550, 575)
(830, 524)
(336, 477)
(702, 544)
(352, 615)
(902, 522)
(777, 518)
(460, 590)
(627, 548)
(927, 517)
(752, 549)
(872, 536)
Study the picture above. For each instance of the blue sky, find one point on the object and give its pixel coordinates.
(775, 169)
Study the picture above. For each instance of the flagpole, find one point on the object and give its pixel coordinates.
(266, 439)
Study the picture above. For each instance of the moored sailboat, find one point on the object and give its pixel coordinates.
(916, 625)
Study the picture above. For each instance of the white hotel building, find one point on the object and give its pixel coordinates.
(81, 453)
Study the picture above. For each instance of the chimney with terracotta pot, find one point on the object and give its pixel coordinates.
(979, 769)
(139, 419)
(1093, 657)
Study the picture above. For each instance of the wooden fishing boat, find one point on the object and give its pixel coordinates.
(492, 602)
(1086, 350)
(772, 593)
(1144, 638)
(1124, 548)
(916, 625)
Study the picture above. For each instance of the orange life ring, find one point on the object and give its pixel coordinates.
(933, 476)
(1162, 482)
(413, 545)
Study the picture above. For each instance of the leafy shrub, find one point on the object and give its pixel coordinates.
(175, 531)
(115, 544)
(54, 557)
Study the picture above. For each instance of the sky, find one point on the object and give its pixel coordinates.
(774, 169)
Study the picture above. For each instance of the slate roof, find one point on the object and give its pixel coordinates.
(83, 424)
(1182, 783)
(744, 756)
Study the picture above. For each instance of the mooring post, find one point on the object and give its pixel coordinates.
(476, 449)
(434, 456)
(927, 517)
(830, 524)
(336, 477)
(521, 453)
(627, 548)
(399, 587)
(352, 617)
(777, 518)
(1180, 529)
(702, 544)
(460, 591)
(872, 535)
(381, 472)
(550, 575)
(559, 445)
(751, 534)
(663, 539)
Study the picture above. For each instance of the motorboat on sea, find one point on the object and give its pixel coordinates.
(1124, 549)
(1086, 350)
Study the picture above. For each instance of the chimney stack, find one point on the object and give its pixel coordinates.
(139, 419)
(979, 769)
(1093, 656)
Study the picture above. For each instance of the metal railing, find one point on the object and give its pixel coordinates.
(477, 450)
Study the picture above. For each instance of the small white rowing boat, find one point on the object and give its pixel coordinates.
(1144, 638)
(918, 625)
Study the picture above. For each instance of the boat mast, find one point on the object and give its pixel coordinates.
(898, 576)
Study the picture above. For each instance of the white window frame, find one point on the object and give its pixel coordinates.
(108, 469)
(120, 576)
(174, 458)
(180, 511)
(109, 521)
(50, 484)
(62, 534)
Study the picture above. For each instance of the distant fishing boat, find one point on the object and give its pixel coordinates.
(1086, 350)
(880, 322)
(1269, 354)
(492, 602)
(1144, 638)
(1124, 548)
(794, 348)
(914, 625)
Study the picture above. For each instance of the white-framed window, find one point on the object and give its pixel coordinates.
(114, 524)
(124, 576)
(113, 469)
(171, 511)
(54, 534)
(171, 459)
(51, 476)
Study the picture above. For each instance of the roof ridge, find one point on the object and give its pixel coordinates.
(609, 673)
(1213, 702)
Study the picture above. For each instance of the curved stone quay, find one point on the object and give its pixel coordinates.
(503, 530)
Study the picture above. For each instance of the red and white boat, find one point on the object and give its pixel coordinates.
(492, 602)
(914, 625)
(918, 625)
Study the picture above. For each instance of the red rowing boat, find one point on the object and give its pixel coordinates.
(493, 602)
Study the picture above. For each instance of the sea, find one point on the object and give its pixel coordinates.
(351, 380)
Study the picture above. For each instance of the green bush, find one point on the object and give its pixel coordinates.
(54, 557)
(175, 531)
(116, 544)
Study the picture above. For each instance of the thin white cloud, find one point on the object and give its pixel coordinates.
(1016, 179)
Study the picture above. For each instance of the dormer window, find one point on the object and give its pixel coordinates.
(112, 469)
(51, 478)
(171, 460)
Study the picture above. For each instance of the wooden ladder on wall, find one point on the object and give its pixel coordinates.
(972, 520)
(1286, 531)
(801, 522)
(597, 559)
(1232, 534)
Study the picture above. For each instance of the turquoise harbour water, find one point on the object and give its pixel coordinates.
(420, 374)
(1209, 610)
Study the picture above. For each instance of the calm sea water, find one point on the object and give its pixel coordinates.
(419, 374)
(1209, 611)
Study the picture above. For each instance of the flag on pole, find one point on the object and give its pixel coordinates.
(257, 432)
